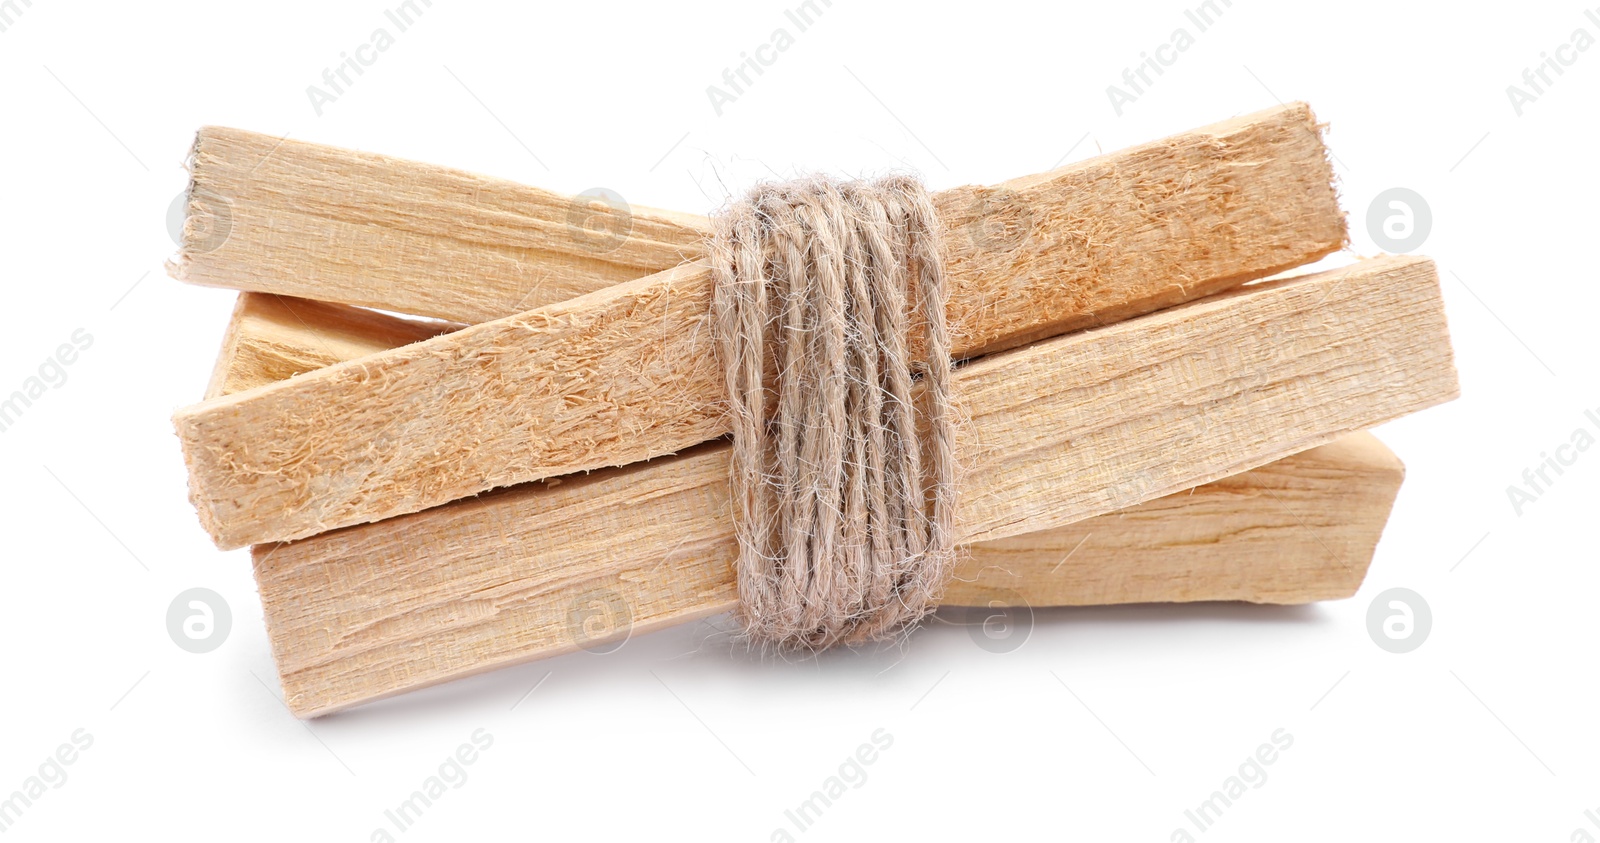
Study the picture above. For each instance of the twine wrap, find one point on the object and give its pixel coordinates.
(843, 471)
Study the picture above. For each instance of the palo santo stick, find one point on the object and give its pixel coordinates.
(1296, 530)
(272, 338)
(537, 571)
(1067, 429)
(629, 372)
(301, 219)
(367, 613)
(228, 442)
(1184, 217)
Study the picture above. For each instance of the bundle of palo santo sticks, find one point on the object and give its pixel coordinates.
(537, 463)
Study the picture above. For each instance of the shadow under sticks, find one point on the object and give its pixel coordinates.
(711, 650)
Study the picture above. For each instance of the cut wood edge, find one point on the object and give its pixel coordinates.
(275, 215)
(272, 338)
(223, 381)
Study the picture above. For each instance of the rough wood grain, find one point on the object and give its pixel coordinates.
(1296, 530)
(1064, 430)
(272, 338)
(534, 572)
(628, 372)
(1186, 215)
(284, 216)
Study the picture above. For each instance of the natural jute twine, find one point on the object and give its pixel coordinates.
(843, 470)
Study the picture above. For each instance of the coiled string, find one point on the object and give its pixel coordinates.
(829, 313)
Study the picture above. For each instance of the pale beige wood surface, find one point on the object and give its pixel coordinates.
(1069, 428)
(1186, 215)
(1295, 530)
(269, 464)
(629, 372)
(284, 216)
(541, 570)
(272, 338)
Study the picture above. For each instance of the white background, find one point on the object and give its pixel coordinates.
(1485, 732)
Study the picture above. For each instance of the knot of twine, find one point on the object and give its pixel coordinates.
(829, 312)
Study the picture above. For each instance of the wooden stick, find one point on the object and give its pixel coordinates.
(1064, 430)
(272, 338)
(263, 467)
(283, 216)
(1185, 216)
(628, 373)
(1296, 530)
(366, 613)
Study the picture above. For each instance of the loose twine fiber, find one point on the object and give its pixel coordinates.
(843, 474)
